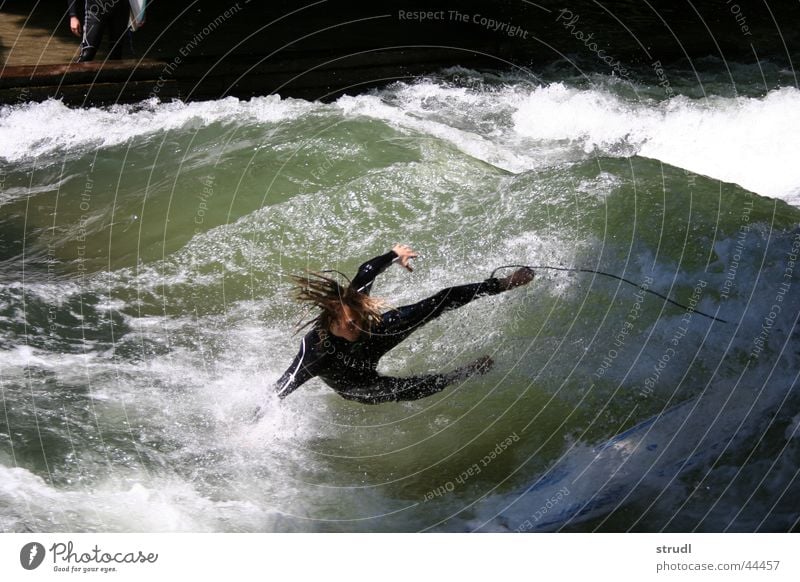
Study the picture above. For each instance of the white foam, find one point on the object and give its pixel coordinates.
(22, 356)
(592, 118)
(469, 142)
(516, 127)
(134, 504)
(39, 129)
(13, 194)
(750, 141)
(49, 293)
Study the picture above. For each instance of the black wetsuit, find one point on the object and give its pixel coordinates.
(350, 367)
(98, 17)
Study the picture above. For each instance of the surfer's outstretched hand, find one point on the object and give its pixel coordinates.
(404, 254)
(521, 276)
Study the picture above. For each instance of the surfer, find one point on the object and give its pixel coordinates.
(99, 16)
(351, 334)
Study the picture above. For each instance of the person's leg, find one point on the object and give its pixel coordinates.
(92, 30)
(389, 389)
(118, 28)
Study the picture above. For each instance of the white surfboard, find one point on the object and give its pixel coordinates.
(137, 14)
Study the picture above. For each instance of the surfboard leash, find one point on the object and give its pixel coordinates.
(613, 276)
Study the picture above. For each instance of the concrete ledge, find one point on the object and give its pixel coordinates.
(302, 75)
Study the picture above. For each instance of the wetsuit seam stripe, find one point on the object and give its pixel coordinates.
(293, 375)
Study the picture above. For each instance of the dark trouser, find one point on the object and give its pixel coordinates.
(104, 16)
(396, 326)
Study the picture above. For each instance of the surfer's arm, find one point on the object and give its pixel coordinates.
(306, 365)
(72, 7)
(367, 272)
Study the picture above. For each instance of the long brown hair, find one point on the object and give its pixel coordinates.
(326, 293)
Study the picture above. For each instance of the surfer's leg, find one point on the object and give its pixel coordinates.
(389, 389)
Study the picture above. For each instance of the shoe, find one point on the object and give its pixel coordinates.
(521, 276)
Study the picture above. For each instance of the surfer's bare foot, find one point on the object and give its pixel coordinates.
(521, 276)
